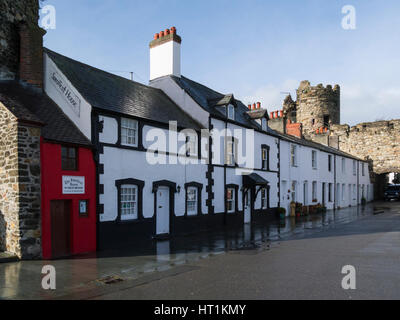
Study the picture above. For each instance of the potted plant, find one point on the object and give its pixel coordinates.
(299, 209)
(281, 213)
(293, 209)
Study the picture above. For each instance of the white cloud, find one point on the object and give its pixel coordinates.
(271, 96)
(365, 104)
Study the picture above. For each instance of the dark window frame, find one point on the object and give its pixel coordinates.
(83, 214)
(140, 186)
(199, 188)
(329, 163)
(265, 147)
(68, 158)
(236, 204)
(235, 144)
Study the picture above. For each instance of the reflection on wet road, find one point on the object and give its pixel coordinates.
(23, 279)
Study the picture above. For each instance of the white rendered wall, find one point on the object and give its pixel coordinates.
(182, 99)
(165, 59)
(81, 120)
(234, 176)
(304, 172)
(110, 130)
(124, 164)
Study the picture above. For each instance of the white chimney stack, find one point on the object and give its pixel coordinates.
(165, 54)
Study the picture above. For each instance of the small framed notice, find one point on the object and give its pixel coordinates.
(83, 208)
(73, 185)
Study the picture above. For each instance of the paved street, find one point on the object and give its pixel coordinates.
(293, 260)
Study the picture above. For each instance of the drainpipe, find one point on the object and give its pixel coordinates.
(279, 172)
(334, 182)
(225, 165)
(358, 183)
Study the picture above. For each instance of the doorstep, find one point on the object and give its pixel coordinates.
(6, 257)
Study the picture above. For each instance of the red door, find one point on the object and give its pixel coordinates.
(60, 228)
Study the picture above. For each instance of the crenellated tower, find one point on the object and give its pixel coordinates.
(317, 107)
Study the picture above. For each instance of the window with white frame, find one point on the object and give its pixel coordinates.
(191, 145)
(129, 202)
(192, 201)
(230, 199)
(363, 169)
(230, 151)
(293, 155)
(264, 199)
(129, 132)
(354, 167)
(330, 193)
(329, 163)
(343, 165)
(314, 159)
(314, 191)
(231, 112)
(264, 158)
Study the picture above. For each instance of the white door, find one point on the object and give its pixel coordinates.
(247, 207)
(162, 210)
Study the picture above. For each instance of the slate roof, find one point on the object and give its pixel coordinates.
(207, 97)
(110, 92)
(315, 145)
(33, 106)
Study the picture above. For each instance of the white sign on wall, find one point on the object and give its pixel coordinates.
(72, 99)
(73, 185)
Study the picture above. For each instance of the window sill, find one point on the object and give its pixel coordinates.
(129, 145)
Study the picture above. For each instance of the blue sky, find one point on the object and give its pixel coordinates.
(255, 49)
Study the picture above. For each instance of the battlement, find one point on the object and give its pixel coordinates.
(384, 125)
(307, 89)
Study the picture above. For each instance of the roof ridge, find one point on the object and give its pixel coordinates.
(204, 86)
(96, 69)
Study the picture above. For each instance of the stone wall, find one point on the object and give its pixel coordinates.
(12, 13)
(378, 141)
(9, 187)
(29, 191)
(315, 102)
(20, 194)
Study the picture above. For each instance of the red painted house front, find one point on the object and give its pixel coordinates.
(68, 200)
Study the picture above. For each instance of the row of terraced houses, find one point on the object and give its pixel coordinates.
(94, 161)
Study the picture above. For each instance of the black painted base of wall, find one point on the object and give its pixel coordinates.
(141, 235)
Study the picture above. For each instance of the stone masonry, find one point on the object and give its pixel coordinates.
(378, 141)
(315, 103)
(12, 13)
(20, 194)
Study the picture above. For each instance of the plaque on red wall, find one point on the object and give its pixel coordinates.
(73, 185)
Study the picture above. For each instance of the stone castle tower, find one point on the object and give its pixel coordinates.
(317, 107)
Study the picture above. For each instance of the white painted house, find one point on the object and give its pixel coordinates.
(299, 170)
(177, 157)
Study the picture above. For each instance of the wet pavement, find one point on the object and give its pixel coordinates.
(93, 274)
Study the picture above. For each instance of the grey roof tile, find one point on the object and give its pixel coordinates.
(30, 105)
(110, 92)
